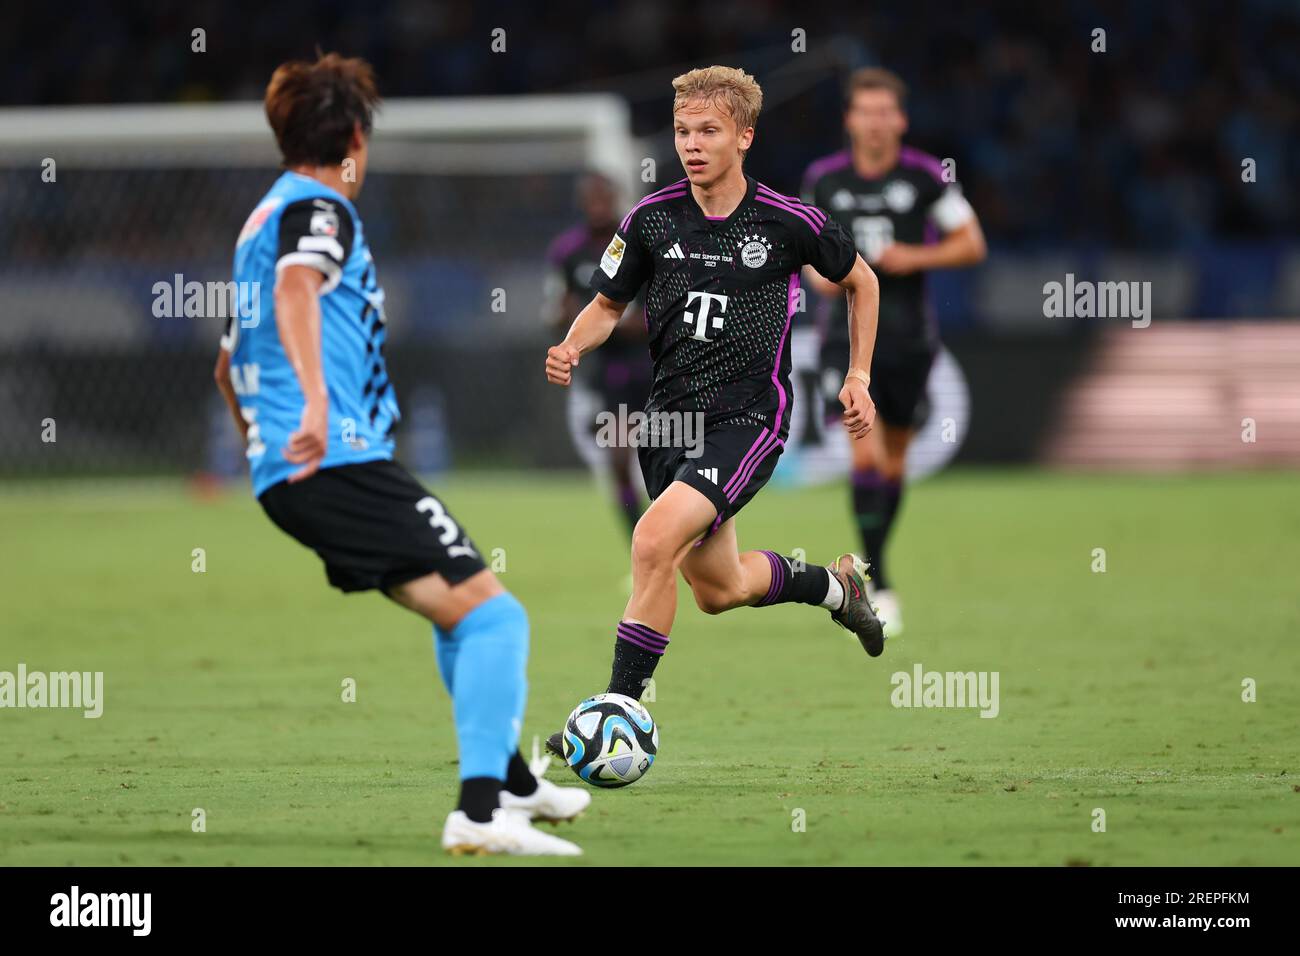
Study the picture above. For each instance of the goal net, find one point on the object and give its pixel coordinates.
(102, 204)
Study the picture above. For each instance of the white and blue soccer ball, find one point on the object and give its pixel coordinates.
(610, 740)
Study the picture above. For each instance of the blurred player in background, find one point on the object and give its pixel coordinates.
(720, 255)
(892, 199)
(308, 388)
(620, 372)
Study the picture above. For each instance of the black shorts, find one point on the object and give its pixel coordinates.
(373, 525)
(898, 383)
(734, 463)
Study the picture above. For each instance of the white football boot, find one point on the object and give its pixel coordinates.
(889, 610)
(548, 803)
(509, 832)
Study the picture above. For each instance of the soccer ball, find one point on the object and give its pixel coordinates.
(610, 740)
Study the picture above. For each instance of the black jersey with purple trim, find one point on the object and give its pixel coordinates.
(906, 204)
(720, 295)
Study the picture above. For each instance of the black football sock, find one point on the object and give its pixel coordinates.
(794, 581)
(479, 796)
(875, 503)
(519, 779)
(637, 651)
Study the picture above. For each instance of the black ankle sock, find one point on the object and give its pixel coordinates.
(519, 779)
(637, 651)
(479, 796)
(794, 581)
(875, 504)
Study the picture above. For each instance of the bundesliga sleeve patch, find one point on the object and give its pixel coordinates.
(613, 257)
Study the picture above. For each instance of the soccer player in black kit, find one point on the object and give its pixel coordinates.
(621, 373)
(722, 255)
(893, 200)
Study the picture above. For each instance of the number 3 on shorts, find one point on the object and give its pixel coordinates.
(442, 522)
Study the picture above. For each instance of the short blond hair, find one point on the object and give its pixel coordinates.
(735, 90)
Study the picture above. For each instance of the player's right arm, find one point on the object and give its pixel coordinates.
(590, 329)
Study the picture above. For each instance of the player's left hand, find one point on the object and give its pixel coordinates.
(859, 409)
(899, 258)
(307, 446)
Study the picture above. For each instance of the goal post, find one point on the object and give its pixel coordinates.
(538, 134)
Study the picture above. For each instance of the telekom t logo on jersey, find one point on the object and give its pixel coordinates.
(702, 318)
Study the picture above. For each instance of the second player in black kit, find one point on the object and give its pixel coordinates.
(908, 217)
(903, 205)
(719, 300)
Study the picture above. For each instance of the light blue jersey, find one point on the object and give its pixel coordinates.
(303, 222)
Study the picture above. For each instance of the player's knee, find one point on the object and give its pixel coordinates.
(651, 547)
(446, 605)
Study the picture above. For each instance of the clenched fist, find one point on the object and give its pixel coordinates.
(561, 360)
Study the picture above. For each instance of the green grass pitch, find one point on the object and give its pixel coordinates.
(1119, 690)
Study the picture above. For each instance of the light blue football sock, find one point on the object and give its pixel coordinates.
(483, 661)
(444, 650)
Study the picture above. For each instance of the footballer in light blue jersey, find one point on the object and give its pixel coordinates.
(302, 221)
(302, 371)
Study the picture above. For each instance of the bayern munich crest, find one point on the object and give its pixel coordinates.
(754, 251)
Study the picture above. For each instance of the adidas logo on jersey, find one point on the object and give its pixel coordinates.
(675, 252)
(709, 473)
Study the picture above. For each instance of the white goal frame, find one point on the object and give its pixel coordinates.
(453, 135)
